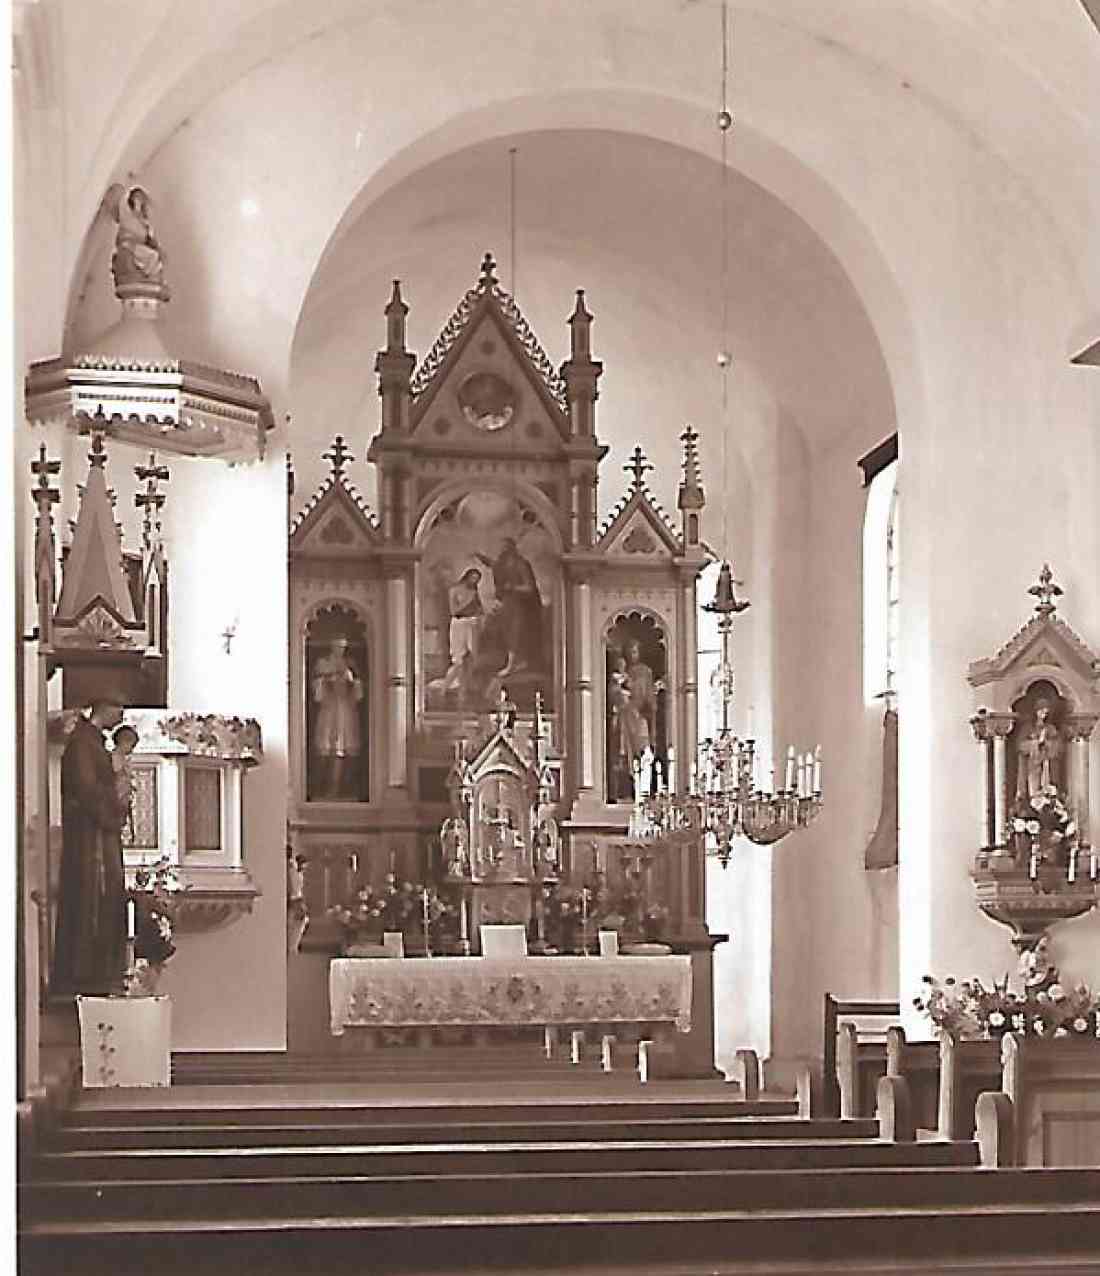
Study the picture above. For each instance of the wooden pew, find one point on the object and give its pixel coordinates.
(944, 1078)
(834, 1008)
(1054, 1089)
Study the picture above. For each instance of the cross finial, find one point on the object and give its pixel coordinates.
(338, 457)
(637, 467)
(488, 273)
(151, 500)
(43, 468)
(1046, 590)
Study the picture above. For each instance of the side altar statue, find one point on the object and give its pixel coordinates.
(1040, 699)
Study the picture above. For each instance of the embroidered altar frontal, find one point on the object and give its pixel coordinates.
(369, 992)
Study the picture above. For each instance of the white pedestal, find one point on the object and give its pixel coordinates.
(125, 1041)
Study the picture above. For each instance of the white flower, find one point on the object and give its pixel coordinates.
(1018, 825)
(1080, 1024)
(1039, 1027)
(1061, 1032)
(1056, 992)
(1056, 836)
(1033, 826)
(1071, 828)
(996, 1019)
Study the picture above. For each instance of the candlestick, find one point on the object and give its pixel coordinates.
(427, 921)
(131, 919)
(605, 1053)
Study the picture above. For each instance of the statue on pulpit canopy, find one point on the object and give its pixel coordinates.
(90, 939)
(1039, 753)
(138, 257)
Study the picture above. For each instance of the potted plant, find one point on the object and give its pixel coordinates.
(155, 899)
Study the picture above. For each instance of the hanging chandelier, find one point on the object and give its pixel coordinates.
(722, 800)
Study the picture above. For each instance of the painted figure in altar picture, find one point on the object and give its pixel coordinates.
(1039, 751)
(90, 937)
(486, 619)
(517, 617)
(633, 701)
(337, 750)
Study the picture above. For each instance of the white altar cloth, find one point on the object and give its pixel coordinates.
(125, 1041)
(366, 992)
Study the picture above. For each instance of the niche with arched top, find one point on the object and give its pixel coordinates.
(636, 658)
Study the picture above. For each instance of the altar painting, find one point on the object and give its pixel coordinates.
(489, 576)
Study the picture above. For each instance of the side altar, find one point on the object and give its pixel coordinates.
(484, 583)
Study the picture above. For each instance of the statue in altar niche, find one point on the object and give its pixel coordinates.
(1039, 750)
(90, 939)
(337, 718)
(635, 680)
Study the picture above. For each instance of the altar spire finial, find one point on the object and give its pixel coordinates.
(637, 467)
(488, 273)
(152, 499)
(1046, 590)
(338, 457)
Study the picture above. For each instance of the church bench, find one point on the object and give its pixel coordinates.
(834, 1008)
(944, 1077)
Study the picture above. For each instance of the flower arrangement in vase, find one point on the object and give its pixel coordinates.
(968, 1009)
(154, 900)
(1045, 836)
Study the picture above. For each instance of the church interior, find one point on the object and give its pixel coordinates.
(557, 635)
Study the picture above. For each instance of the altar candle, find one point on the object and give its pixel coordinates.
(548, 1042)
(605, 1053)
(1033, 865)
(817, 770)
(643, 1061)
(463, 921)
(789, 780)
(672, 770)
(575, 1045)
(393, 861)
(131, 919)
(427, 919)
(1092, 863)
(354, 862)
(1073, 864)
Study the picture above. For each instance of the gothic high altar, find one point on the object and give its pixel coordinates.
(485, 580)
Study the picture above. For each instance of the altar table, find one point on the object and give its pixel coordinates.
(371, 992)
(125, 1041)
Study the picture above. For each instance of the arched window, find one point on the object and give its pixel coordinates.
(881, 585)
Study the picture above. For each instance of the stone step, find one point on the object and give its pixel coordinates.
(636, 1240)
(269, 1105)
(329, 1131)
(501, 1157)
(471, 1195)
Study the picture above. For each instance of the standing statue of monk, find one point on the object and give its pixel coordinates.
(90, 939)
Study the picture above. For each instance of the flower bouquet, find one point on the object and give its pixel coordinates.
(1045, 836)
(969, 1009)
(154, 896)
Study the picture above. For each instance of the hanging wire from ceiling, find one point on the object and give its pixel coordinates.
(725, 123)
